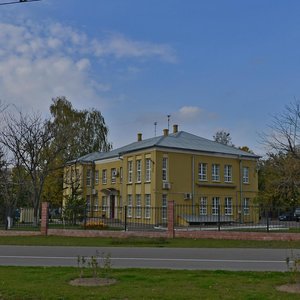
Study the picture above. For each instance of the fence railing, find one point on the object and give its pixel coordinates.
(21, 219)
(186, 217)
(234, 217)
(128, 218)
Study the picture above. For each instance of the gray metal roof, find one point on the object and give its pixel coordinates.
(182, 141)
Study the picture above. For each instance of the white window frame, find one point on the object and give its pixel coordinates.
(104, 176)
(130, 173)
(245, 174)
(228, 173)
(96, 203)
(105, 207)
(88, 177)
(246, 206)
(164, 206)
(96, 176)
(215, 206)
(138, 170)
(228, 206)
(147, 206)
(215, 172)
(88, 203)
(202, 172)
(113, 175)
(203, 206)
(138, 206)
(148, 170)
(129, 205)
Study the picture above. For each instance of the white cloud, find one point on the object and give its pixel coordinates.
(189, 112)
(41, 61)
(121, 47)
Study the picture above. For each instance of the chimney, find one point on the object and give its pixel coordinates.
(175, 128)
(166, 132)
(139, 137)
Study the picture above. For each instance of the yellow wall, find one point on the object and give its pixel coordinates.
(181, 176)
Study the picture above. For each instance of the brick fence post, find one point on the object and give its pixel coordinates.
(171, 232)
(45, 218)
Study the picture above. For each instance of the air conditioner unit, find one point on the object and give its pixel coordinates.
(166, 185)
(187, 196)
(115, 173)
(94, 191)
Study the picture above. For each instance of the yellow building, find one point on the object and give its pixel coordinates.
(208, 178)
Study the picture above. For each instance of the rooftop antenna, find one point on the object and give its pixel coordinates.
(169, 116)
(155, 124)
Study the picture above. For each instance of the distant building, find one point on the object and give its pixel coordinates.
(178, 166)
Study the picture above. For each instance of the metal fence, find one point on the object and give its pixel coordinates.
(186, 217)
(22, 219)
(234, 217)
(128, 218)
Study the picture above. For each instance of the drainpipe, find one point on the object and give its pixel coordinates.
(241, 191)
(193, 184)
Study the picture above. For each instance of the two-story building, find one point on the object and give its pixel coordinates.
(191, 170)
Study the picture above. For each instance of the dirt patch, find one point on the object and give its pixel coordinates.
(289, 288)
(92, 281)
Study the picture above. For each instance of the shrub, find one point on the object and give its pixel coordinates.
(95, 224)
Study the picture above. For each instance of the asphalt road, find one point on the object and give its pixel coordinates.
(171, 258)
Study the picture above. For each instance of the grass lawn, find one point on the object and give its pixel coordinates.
(143, 242)
(52, 283)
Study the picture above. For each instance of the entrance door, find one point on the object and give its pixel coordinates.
(112, 206)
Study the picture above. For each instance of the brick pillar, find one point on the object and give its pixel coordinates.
(44, 220)
(171, 232)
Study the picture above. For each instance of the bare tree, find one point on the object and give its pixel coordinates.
(31, 143)
(284, 134)
(280, 171)
(223, 137)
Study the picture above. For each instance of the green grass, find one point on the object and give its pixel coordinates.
(52, 283)
(142, 242)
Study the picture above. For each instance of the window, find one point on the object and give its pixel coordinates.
(96, 203)
(164, 207)
(138, 203)
(88, 177)
(202, 173)
(104, 176)
(245, 175)
(246, 206)
(130, 171)
(203, 206)
(228, 173)
(88, 203)
(147, 206)
(148, 170)
(129, 206)
(138, 170)
(96, 177)
(215, 172)
(105, 209)
(113, 175)
(165, 169)
(228, 206)
(215, 205)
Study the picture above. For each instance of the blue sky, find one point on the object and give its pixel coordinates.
(212, 65)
